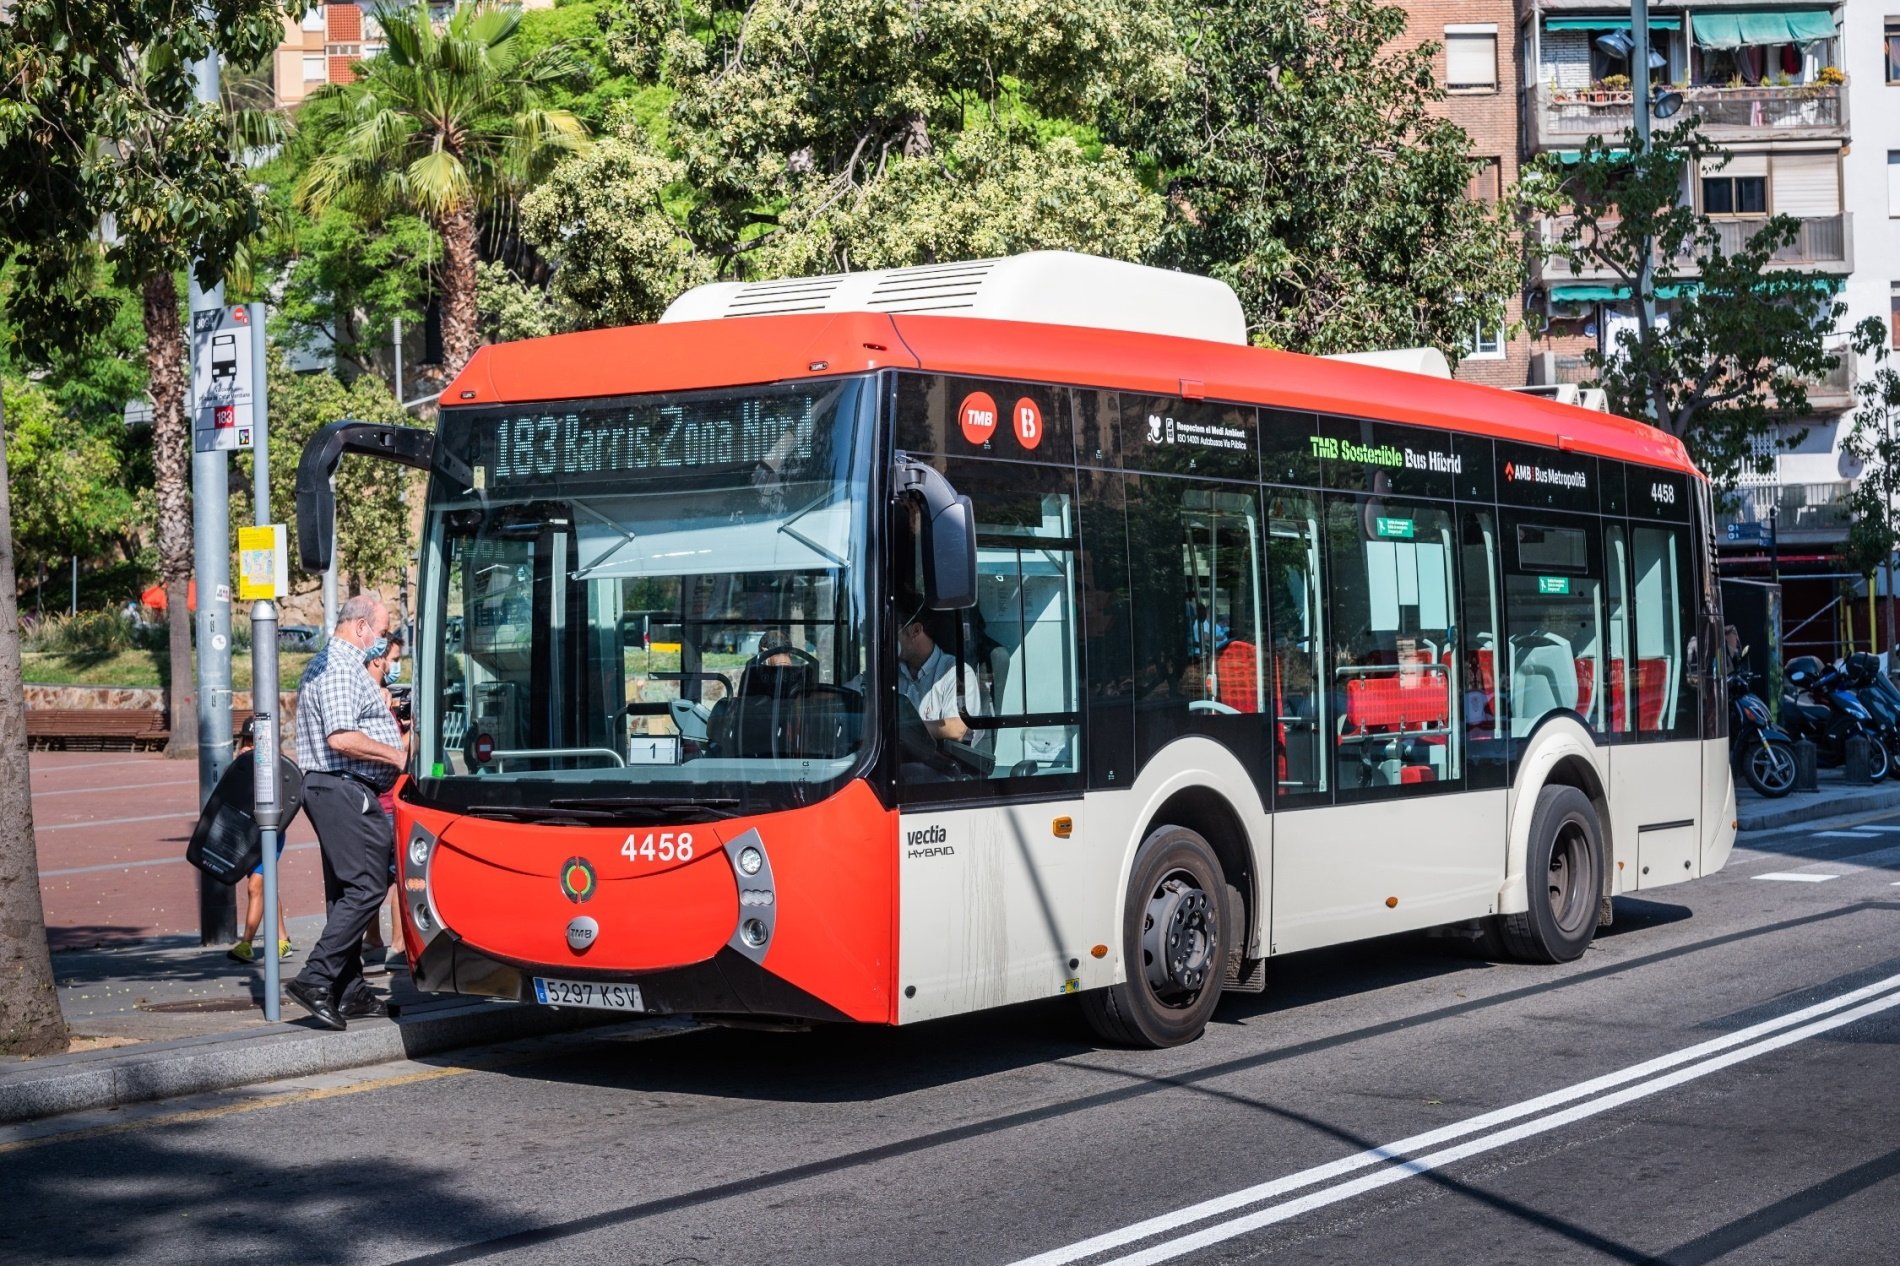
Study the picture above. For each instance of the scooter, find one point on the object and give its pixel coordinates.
(1879, 696)
(1762, 751)
(1819, 705)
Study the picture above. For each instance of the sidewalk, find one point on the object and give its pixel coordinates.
(1835, 799)
(164, 1017)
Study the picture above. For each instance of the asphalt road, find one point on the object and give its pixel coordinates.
(1714, 1081)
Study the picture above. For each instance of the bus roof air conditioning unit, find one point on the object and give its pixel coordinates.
(1412, 360)
(1044, 287)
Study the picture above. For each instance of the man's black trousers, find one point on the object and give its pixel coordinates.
(358, 845)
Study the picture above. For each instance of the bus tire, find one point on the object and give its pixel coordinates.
(1566, 855)
(1174, 942)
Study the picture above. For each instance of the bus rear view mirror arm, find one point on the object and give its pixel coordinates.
(316, 502)
(949, 535)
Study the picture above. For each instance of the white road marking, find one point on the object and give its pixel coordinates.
(93, 764)
(1715, 1054)
(1857, 834)
(150, 817)
(135, 786)
(150, 861)
(1796, 877)
(1884, 829)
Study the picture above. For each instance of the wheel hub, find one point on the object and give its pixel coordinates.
(1178, 937)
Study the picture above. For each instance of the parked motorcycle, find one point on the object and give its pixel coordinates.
(1761, 750)
(1879, 696)
(1820, 706)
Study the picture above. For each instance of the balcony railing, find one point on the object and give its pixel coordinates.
(1798, 507)
(1828, 391)
(1820, 242)
(1557, 118)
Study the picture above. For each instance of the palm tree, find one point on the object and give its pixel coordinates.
(443, 121)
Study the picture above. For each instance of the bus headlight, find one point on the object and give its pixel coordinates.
(753, 932)
(758, 897)
(750, 859)
(419, 849)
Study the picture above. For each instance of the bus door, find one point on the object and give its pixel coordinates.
(1656, 761)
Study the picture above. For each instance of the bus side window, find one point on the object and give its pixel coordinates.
(1394, 661)
(1620, 709)
(1553, 594)
(1663, 647)
(1479, 672)
(1295, 590)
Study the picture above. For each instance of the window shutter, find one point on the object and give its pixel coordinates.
(1471, 60)
(1893, 182)
(1806, 185)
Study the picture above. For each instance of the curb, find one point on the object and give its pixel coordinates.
(116, 1076)
(1807, 807)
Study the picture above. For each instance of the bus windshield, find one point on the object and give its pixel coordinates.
(650, 604)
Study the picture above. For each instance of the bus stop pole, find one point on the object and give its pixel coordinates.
(266, 698)
(266, 790)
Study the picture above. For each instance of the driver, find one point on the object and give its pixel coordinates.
(929, 677)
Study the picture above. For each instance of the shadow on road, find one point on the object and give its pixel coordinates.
(168, 1195)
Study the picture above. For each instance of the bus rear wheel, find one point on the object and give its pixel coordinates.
(1564, 870)
(1174, 944)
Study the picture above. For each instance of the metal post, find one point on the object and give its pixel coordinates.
(211, 563)
(266, 697)
(1646, 266)
(396, 341)
(268, 812)
(74, 608)
(329, 575)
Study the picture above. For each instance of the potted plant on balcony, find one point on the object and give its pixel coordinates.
(1830, 76)
(1612, 88)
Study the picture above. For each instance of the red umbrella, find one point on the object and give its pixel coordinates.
(155, 597)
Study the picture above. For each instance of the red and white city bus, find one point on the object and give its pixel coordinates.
(1225, 653)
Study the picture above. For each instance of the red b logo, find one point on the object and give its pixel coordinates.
(977, 416)
(1028, 419)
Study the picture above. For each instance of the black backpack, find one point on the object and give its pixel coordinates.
(226, 843)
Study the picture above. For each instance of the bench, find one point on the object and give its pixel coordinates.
(104, 729)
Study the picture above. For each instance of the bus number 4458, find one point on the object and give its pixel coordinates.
(664, 846)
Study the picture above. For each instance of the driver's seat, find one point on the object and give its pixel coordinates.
(761, 718)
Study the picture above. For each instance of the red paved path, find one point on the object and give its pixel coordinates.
(112, 828)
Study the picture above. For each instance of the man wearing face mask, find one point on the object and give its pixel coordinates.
(351, 750)
(384, 664)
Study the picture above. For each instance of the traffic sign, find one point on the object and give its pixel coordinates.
(222, 379)
(1749, 534)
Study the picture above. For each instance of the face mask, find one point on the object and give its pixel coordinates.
(394, 672)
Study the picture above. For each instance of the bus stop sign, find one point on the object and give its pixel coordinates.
(223, 399)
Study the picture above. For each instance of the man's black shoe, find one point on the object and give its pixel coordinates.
(316, 1004)
(364, 1005)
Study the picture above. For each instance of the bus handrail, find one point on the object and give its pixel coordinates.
(553, 753)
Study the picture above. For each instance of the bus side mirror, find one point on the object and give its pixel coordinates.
(948, 524)
(316, 500)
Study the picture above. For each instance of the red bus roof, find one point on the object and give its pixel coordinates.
(739, 351)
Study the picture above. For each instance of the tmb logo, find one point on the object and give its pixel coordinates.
(928, 841)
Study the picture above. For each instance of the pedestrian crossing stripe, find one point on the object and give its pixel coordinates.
(1796, 877)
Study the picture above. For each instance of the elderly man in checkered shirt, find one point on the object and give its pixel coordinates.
(351, 751)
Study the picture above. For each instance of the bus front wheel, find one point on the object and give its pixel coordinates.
(1174, 945)
(1564, 870)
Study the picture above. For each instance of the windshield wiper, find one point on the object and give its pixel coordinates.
(711, 807)
(574, 815)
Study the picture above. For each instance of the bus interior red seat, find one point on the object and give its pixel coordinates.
(1403, 716)
(1652, 689)
(1586, 683)
(1237, 676)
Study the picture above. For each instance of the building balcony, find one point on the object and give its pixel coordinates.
(1804, 511)
(1560, 119)
(1828, 392)
(1821, 244)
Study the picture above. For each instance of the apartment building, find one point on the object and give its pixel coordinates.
(1477, 64)
(324, 46)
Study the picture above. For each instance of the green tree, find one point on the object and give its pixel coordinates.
(67, 496)
(373, 499)
(1303, 166)
(1737, 340)
(803, 137)
(1874, 442)
(441, 123)
(98, 123)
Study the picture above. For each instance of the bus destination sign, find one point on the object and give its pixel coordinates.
(597, 443)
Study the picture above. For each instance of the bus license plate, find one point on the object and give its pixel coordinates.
(587, 993)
